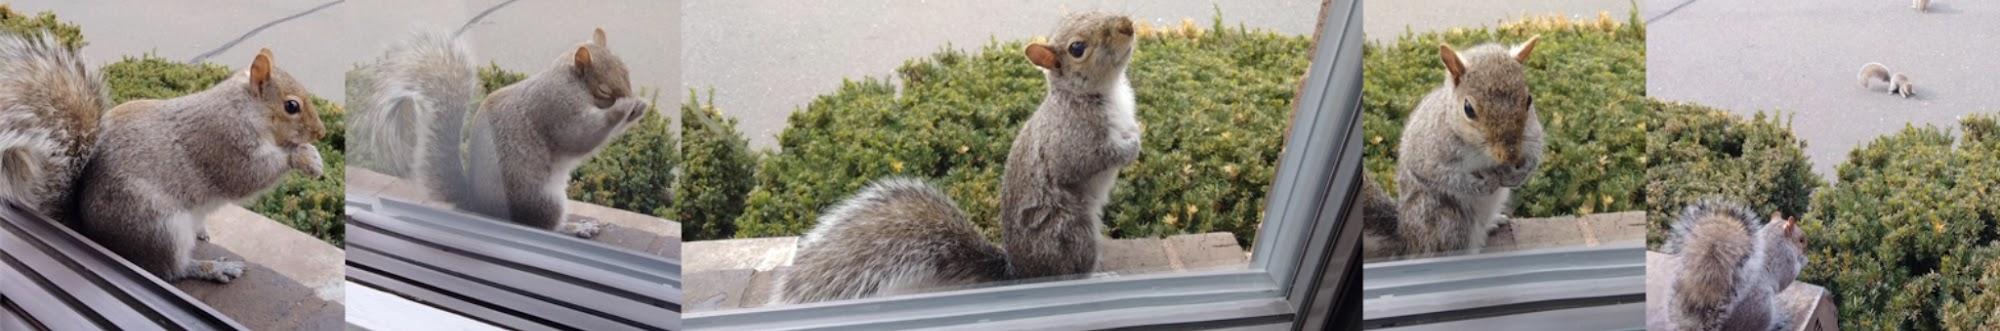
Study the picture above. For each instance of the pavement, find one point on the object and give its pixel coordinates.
(739, 273)
(318, 41)
(1802, 57)
(768, 58)
(1384, 21)
(632, 231)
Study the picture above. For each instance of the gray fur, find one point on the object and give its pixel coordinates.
(162, 165)
(1455, 172)
(519, 150)
(50, 104)
(1731, 270)
(900, 235)
(426, 75)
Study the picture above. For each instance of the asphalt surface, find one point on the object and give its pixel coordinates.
(767, 58)
(1802, 57)
(318, 41)
(1383, 21)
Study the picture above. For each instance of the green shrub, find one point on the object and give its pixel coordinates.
(311, 205)
(1214, 103)
(634, 172)
(716, 175)
(70, 35)
(1906, 238)
(1698, 153)
(492, 77)
(1589, 81)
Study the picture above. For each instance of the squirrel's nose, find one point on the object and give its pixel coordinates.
(1125, 26)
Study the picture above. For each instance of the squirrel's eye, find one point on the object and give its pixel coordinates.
(1468, 111)
(1531, 101)
(1076, 49)
(291, 107)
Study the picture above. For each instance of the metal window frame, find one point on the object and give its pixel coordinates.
(52, 277)
(1304, 259)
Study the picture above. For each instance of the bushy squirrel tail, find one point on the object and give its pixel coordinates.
(1714, 243)
(49, 109)
(429, 80)
(1379, 221)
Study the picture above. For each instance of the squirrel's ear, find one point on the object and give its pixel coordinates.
(1043, 56)
(1451, 62)
(597, 37)
(1526, 49)
(583, 58)
(260, 70)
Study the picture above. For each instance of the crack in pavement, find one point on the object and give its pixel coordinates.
(260, 29)
(1676, 8)
(481, 16)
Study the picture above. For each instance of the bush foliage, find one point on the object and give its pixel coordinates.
(1214, 103)
(1906, 238)
(716, 175)
(1697, 153)
(311, 205)
(69, 34)
(1589, 81)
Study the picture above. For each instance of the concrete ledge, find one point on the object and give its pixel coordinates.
(740, 273)
(629, 230)
(292, 280)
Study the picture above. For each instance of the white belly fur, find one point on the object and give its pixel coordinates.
(1486, 210)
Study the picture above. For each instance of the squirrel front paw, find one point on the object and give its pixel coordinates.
(306, 159)
(217, 270)
(629, 109)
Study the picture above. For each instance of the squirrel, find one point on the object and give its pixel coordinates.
(1466, 146)
(50, 104)
(513, 160)
(1921, 5)
(900, 235)
(1899, 84)
(161, 166)
(1731, 269)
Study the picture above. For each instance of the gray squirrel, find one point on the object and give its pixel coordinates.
(900, 235)
(1465, 147)
(1898, 83)
(1731, 270)
(50, 104)
(526, 138)
(161, 166)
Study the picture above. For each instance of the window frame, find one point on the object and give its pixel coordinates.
(1305, 255)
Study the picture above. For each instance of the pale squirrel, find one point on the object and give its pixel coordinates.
(900, 235)
(161, 166)
(1899, 84)
(50, 104)
(1731, 270)
(1465, 147)
(525, 139)
(1921, 5)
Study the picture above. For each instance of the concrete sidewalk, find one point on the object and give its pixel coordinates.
(1803, 57)
(318, 41)
(1384, 21)
(767, 58)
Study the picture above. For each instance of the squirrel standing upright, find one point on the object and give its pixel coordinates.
(1899, 84)
(900, 235)
(1466, 145)
(161, 166)
(527, 137)
(1731, 270)
(50, 104)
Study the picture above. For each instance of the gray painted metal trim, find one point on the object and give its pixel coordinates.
(54, 278)
(506, 274)
(1493, 286)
